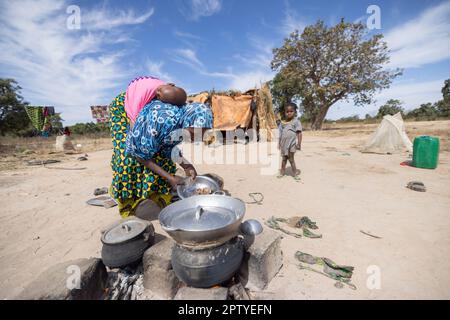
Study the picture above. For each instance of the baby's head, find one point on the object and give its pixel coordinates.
(290, 110)
(169, 93)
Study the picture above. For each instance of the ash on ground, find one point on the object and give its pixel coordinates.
(125, 284)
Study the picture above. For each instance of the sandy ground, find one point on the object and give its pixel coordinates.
(45, 220)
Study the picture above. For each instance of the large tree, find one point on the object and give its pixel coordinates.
(283, 90)
(446, 90)
(324, 65)
(443, 106)
(13, 117)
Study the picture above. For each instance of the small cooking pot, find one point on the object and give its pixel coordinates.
(126, 241)
(203, 221)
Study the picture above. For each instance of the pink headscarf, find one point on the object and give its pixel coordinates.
(140, 91)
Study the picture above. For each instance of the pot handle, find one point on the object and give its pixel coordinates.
(198, 213)
(126, 228)
(219, 193)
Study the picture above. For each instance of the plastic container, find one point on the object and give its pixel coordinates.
(425, 152)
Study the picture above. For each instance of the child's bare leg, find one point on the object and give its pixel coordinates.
(283, 165)
(292, 162)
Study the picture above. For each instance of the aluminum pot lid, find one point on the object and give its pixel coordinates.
(124, 231)
(203, 218)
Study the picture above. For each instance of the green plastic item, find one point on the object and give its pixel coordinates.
(425, 152)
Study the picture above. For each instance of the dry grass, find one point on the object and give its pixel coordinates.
(15, 152)
(439, 128)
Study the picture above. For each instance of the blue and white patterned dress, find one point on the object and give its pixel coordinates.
(157, 123)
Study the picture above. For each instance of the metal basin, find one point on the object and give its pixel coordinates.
(200, 184)
(204, 221)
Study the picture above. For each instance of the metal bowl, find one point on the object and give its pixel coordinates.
(251, 227)
(200, 182)
(205, 221)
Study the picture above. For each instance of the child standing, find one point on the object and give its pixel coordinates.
(290, 139)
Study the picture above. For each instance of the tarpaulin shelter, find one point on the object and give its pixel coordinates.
(390, 137)
(100, 113)
(233, 110)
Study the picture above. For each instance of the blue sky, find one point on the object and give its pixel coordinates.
(200, 45)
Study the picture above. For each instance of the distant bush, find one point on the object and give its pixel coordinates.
(90, 128)
(354, 118)
(426, 111)
(391, 107)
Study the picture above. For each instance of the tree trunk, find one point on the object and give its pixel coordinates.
(317, 122)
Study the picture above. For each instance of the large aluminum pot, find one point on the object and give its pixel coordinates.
(204, 221)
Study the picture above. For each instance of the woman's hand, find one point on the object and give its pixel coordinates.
(174, 181)
(190, 170)
(299, 147)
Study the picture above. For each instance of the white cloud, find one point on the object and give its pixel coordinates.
(291, 21)
(187, 57)
(201, 8)
(188, 39)
(413, 94)
(70, 69)
(257, 65)
(242, 80)
(155, 69)
(249, 80)
(260, 54)
(186, 35)
(103, 19)
(256, 60)
(254, 67)
(423, 40)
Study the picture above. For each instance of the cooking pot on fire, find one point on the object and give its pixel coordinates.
(203, 221)
(125, 242)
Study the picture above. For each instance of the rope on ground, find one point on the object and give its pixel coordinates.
(256, 201)
(44, 163)
(64, 168)
(369, 234)
(35, 162)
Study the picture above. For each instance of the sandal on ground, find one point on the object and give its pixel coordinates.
(416, 186)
